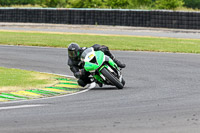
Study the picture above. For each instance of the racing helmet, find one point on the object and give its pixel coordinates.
(73, 51)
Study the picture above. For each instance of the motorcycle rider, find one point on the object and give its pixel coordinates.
(76, 66)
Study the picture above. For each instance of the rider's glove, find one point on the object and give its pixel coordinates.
(79, 73)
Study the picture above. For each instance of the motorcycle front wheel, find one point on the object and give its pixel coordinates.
(110, 77)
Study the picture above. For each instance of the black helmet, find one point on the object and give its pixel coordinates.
(73, 51)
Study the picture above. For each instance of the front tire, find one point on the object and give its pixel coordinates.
(123, 82)
(109, 76)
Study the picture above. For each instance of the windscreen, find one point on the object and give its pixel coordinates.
(88, 50)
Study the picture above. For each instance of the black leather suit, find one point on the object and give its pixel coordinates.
(76, 66)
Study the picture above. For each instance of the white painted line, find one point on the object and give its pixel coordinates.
(68, 76)
(20, 106)
(46, 98)
(92, 85)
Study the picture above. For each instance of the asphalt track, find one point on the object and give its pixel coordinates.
(162, 95)
(106, 30)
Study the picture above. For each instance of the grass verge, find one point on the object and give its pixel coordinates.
(16, 80)
(114, 42)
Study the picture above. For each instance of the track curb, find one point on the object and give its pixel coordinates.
(65, 85)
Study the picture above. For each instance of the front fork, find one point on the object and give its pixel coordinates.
(112, 67)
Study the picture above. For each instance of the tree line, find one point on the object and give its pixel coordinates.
(119, 4)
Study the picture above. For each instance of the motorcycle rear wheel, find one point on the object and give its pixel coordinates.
(110, 77)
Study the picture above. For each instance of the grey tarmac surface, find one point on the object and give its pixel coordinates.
(162, 95)
(108, 30)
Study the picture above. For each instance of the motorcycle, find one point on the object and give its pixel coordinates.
(102, 68)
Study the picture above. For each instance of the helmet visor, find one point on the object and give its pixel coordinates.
(72, 54)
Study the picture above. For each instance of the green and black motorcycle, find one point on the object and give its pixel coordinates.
(102, 68)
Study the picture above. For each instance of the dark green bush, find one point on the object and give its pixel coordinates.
(192, 3)
(131, 4)
(168, 4)
(117, 3)
(85, 3)
(18, 2)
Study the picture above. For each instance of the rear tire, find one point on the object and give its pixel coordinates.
(109, 76)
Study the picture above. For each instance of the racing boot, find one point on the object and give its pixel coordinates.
(119, 64)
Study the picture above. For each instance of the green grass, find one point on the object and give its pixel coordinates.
(113, 42)
(16, 79)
